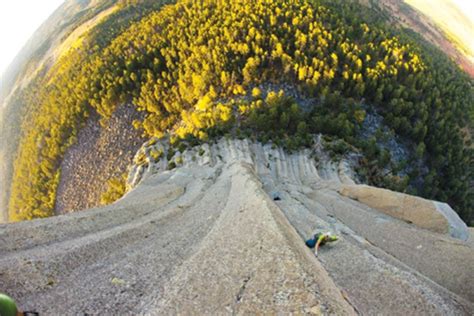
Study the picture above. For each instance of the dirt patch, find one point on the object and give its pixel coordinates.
(100, 154)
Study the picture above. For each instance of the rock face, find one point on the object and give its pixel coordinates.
(208, 238)
(432, 215)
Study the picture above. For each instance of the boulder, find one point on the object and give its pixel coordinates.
(432, 215)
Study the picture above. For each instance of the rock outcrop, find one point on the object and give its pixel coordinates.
(432, 215)
(208, 238)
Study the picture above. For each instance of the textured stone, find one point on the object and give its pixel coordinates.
(207, 238)
(435, 216)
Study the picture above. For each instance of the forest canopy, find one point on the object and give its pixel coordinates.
(196, 65)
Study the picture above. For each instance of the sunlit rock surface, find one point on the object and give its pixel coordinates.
(207, 237)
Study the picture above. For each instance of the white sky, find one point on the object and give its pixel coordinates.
(20, 18)
(467, 7)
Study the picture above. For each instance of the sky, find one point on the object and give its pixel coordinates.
(467, 7)
(20, 18)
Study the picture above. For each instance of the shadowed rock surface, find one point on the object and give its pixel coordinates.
(207, 238)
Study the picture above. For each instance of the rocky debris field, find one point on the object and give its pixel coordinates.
(100, 153)
(210, 237)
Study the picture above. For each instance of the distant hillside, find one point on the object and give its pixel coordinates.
(33, 60)
(438, 22)
(60, 33)
(452, 21)
(206, 141)
(206, 69)
(28, 58)
(37, 51)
